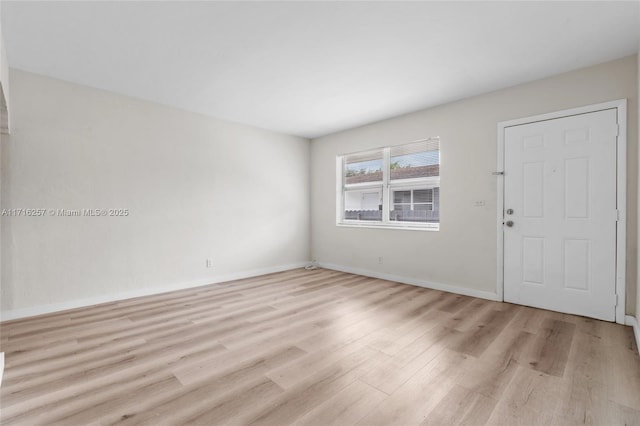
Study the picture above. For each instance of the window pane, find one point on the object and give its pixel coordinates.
(402, 207)
(423, 196)
(408, 215)
(401, 196)
(423, 207)
(363, 204)
(415, 160)
(363, 167)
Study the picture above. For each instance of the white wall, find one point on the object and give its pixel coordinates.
(4, 83)
(638, 281)
(4, 127)
(463, 253)
(196, 188)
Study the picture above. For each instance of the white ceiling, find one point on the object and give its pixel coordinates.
(312, 68)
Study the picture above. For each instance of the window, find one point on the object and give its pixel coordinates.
(396, 187)
(363, 186)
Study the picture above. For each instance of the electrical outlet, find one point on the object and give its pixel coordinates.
(478, 203)
(380, 260)
(209, 263)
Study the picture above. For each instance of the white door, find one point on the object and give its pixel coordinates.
(560, 214)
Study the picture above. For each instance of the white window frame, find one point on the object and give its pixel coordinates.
(387, 186)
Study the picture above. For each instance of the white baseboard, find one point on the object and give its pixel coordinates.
(633, 322)
(414, 281)
(80, 303)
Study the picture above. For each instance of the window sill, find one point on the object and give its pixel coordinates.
(431, 228)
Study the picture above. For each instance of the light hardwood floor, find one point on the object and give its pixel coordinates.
(317, 348)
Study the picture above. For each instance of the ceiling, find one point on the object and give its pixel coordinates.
(312, 68)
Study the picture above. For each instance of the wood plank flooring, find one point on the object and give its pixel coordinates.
(317, 348)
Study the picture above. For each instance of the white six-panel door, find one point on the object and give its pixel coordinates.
(560, 214)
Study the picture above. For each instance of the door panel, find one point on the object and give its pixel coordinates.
(560, 181)
(533, 189)
(532, 260)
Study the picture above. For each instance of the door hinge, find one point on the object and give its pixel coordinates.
(617, 130)
(617, 215)
(615, 300)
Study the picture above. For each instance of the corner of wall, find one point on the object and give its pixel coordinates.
(638, 236)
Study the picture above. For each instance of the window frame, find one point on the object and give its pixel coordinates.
(388, 186)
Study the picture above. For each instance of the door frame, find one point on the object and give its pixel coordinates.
(621, 169)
